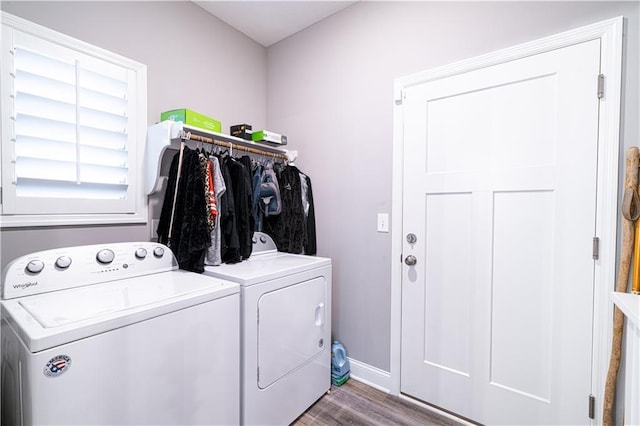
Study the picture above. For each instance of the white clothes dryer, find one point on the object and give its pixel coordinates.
(116, 334)
(285, 314)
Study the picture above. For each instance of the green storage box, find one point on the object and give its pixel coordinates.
(268, 137)
(192, 118)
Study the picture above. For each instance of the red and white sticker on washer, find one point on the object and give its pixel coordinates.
(57, 365)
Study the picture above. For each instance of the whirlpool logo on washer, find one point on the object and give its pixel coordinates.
(57, 366)
(22, 286)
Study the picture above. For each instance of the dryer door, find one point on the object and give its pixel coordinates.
(291, 328)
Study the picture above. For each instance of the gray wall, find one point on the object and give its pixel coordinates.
(330, 89)
(193, 60)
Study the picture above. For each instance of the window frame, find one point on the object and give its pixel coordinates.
(138, 211)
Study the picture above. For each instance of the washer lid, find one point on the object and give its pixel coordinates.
(51, 319)
(265, 267)
(60, 308)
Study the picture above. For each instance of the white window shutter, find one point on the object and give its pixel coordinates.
(73, 120)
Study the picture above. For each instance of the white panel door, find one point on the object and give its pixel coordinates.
(500, 192)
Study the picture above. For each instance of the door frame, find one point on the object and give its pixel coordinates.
(610, 34)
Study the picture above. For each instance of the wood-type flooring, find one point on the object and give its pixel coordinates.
(355, 403)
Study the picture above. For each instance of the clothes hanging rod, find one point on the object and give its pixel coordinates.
(231, 145)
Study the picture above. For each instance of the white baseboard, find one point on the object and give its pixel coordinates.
(370, 375)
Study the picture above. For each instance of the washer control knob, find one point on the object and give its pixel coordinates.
(105, 256)
(35, 266)
(263, 239)
(63, 262)
(255, 240)
(158, 252)
(141, 253)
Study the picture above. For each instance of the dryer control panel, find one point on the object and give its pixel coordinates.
(59, 269)
(263, 243)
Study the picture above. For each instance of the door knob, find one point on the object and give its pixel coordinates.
(410, 260)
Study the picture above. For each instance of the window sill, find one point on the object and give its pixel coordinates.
(32, 221)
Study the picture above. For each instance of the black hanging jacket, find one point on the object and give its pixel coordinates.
(310, 223)
(230, 242)
(288, 228)
(189, 239)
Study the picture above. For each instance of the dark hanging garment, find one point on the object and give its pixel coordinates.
(269, 201)
(288, 228)
(248, 224)
(230, 243)
(310, 223)
(238, 181)
(189, 238)
(255, 200)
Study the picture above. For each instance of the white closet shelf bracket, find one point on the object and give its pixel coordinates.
(169, 134)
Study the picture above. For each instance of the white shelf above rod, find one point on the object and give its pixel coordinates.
(169, 134)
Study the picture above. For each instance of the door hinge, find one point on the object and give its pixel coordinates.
(401, 98)
(592, 407)
(600, 86)
(596, 248)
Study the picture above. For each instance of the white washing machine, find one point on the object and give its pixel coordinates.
(116, 334)
(285, 314)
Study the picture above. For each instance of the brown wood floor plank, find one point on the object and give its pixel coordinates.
(355, 403)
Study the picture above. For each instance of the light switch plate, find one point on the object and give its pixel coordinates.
(383, 222)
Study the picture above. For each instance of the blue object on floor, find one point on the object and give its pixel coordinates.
(340, 367)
